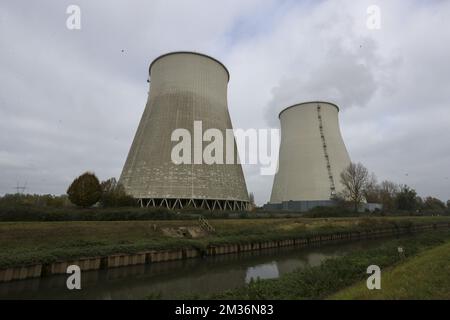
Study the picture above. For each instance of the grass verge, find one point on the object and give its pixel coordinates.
(426, 276)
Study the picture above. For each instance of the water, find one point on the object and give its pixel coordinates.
(169, 280)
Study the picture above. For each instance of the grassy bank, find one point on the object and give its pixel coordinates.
(25, 243)
(426, 276)
(335, 274)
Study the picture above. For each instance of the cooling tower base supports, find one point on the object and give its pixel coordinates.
(205, 204)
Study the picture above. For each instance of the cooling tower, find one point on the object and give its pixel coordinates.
(312, 157)
(184, 87)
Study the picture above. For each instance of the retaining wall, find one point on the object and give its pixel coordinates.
(20, 273)
(60, 267)
(165, 255)
(122, 260)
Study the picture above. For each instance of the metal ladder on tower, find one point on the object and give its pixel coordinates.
(325, 152)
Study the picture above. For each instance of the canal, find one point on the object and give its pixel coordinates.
(177, 279)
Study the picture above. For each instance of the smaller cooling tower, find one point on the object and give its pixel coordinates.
(312, 157)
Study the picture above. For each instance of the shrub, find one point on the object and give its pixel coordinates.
(19, 213)
(114, 195)
(406, 199)
(34, 200)
(85, 191)
(329, 212)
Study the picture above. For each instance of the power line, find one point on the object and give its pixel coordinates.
(20, 189)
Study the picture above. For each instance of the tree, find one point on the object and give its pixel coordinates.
(434, 204)
(388, 194)
(354, 178)
(406, 198)
(85, 191)
(419, 203)
(114, 195)
(34, 200)
(372, 190)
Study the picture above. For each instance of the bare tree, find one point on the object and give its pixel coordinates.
(388, 194)
(372, 191)
(354, 178)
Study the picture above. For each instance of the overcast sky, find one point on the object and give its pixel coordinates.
(71, 100)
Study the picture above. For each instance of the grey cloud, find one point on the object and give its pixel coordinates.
(344, 76)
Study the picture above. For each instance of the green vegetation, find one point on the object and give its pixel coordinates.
(406, 199)
(32, 213)
(114, 195)
(335, 274)
(425, 276)
(116, 205)
(85, 191)
(26, 243)
(395, 199)
(34, 200)
(331, 212)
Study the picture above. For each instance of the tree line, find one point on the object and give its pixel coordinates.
(360, 186)
(85, 191)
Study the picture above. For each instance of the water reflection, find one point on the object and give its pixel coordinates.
(179, 278)
(262, 271)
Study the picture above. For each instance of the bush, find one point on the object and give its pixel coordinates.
(90, 214)
(34, 200)
(85, 191)
(26, 213)
(114, 195)
(330, 212)
(407, 199)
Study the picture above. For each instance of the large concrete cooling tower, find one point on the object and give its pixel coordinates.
(312, 157)
(184, 87)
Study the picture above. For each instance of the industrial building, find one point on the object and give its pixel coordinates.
(184, 87)
(311, 158)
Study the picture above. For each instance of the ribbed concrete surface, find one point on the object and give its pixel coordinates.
(184, 87)
(303, 174)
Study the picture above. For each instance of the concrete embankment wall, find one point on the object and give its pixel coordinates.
(155, 256)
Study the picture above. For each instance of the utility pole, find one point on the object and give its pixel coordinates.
(20, 189)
